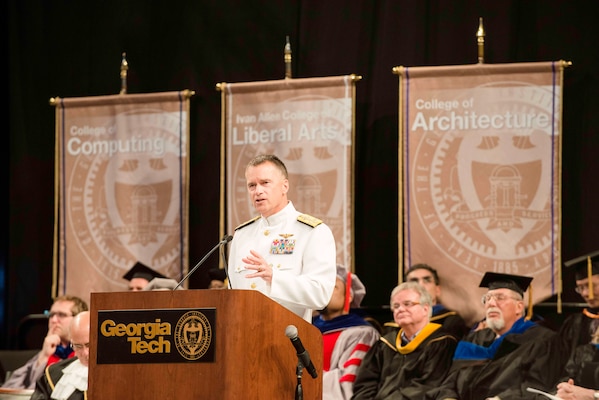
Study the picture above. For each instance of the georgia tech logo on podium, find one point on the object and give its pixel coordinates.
(151, 336)
(193, 335)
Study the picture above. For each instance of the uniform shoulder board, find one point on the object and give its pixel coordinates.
(246, 223)
(309, 220)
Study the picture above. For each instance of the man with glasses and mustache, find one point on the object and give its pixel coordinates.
(408, 361)
(67, 379)
(502, 360)
(56, 343)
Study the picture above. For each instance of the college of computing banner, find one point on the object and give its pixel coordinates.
(309, 124)
(480, 175)
(122, 188)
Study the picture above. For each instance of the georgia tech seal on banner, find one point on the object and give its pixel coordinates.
(481, 176)
(156, 336)
(123, 189)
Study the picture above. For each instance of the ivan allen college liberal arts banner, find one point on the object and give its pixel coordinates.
(122, 167)
(309, 124)
(480, 172)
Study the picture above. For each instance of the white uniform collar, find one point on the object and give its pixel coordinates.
(280, 216)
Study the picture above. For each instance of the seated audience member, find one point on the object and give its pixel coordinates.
(56, 343)
(579, 334)
(428, 278)
(140, 275)
(581, 372)
(502, 360)
(411, 360)
(67, 379)
(346, 336)
(218, 278)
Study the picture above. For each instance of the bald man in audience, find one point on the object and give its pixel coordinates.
(67, 379)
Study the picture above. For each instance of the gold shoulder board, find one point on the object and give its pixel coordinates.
(309, 220)
(246, 223)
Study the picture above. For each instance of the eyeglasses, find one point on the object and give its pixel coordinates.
(77, 346)
(58, 314)
(581, 288)
(498, 297)
(404, 304)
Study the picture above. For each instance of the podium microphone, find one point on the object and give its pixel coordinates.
(224, 241)
(302, 354)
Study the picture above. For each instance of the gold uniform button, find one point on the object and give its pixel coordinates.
(253, 285)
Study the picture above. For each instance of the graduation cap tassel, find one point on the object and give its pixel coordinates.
(530, 305)
(590, 275)
(347, 293)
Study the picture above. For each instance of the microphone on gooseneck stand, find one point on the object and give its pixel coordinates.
(224, 241)
(302, 354)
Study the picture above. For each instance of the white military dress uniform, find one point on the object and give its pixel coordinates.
(301, 251)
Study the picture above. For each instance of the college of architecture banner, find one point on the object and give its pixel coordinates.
(309, 124)
(480, 149)
(122, 188)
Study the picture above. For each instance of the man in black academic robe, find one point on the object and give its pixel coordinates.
(406, 363)
(502, 360)
(577, 349)
(46, 384)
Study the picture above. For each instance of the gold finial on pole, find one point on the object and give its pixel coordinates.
(288, 74)
(124, 68)
(480, 40)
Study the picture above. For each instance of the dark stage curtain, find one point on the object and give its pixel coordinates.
(73, 49)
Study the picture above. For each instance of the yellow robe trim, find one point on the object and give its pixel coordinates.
(51, 382)
(414, 343)
(590, 314)
(309, 220)
(440, 316)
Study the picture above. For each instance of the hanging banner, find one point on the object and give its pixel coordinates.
(309, 124)
(122, 190)
(480, 173)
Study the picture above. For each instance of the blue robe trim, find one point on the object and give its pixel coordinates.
(339, 323)
(470, 351)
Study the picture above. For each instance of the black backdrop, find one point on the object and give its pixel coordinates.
(73, 48)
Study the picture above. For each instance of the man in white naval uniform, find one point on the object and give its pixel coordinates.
(287, 255)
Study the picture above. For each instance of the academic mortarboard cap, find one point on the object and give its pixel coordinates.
(140, 270)
(585, 266)
(517, 283)
(217, 274)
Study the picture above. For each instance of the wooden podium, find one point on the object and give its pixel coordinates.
(252, 358)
